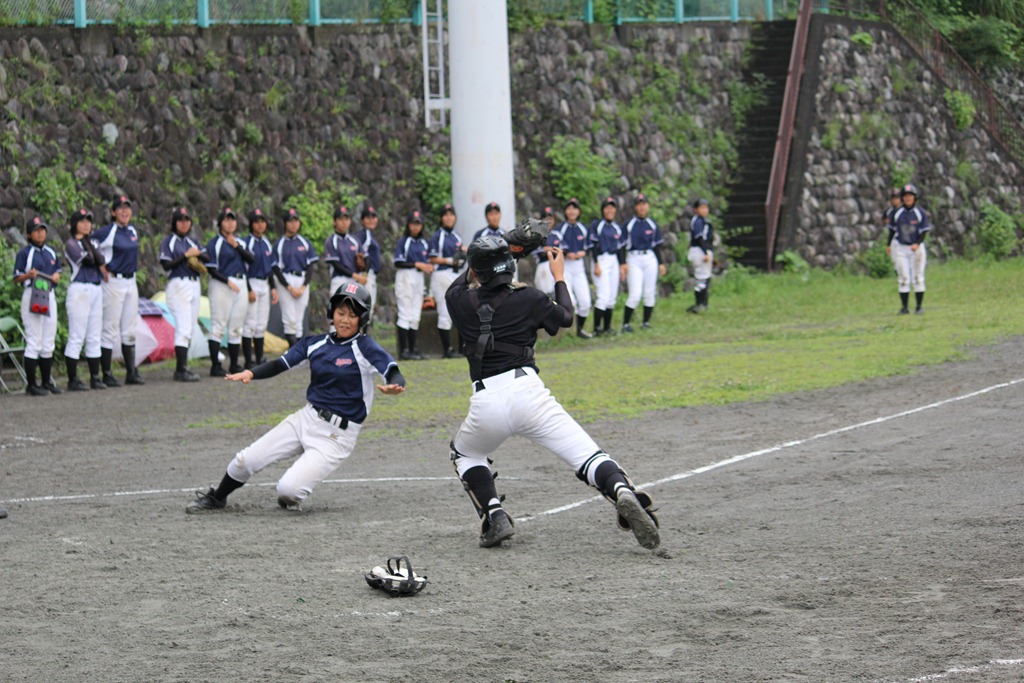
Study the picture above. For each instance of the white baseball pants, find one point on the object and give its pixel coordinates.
(910, 265)
(543, 279)
(40, 330)
(183, 296)
(440, 281)
(320, 446)
(257, 313)
(293, 311)
(523, 406)
(409, 297)
(228, 309)
(84, 304)
(702, 269)
(120, 311)
(607, 282)
(371, 287)
(641, 278)
(338, 281)
(579, 286)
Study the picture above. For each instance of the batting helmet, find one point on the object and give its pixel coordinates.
(909, 188)
(360, 298)
(489, 257)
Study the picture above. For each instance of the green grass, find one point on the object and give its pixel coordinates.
(764, 335)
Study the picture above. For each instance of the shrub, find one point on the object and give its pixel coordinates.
(793, 262)
(961, 108)
(316, 206)
(875, 261)
(863, 39)
(434, 181)
(997, 232)
(576, 171)
(56, 192)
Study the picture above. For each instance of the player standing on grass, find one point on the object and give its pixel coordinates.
(447, 255)
(84, 301)
(498, 321)
(575, 240)
(179, 256)
(909, 226)
(262, 292)
(295, 257)
(701, 255)
(608, 244)
(643, 263)
(323, 433)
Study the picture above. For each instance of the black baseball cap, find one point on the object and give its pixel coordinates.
(894, 192)
(414, 217)
(447, 208)
(342, 212)
(547, 211)
(609, 201)
(292, 215)
(640, 199)
(181, 213)
(34, 224)
(491, 206)
(572, 202)
(226, 212)
(119, 201)
(701, 202)
(368, 210)
(80, 215)
(257, 215)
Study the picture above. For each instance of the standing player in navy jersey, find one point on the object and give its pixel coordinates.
(119, 244)
(323, 433)
(643, 263)
(909, 226)
(370, 248)
(542, 278)
(84, 302)
(228, 262)
(608, 245)
(37, 261)
(262, 292)
(411, 265)
(447, 255)
(492, 212)
(701, 255)
(183, 290)
(341, 252)
(295, 258)
(575, 241)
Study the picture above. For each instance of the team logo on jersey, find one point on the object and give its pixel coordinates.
(342, 362)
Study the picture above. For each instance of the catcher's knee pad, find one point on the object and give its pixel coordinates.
(604, 474)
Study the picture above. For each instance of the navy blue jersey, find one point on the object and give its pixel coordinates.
(340, 251)
(488, 231)
(574, 236)
(264, 257)
(410, 250)
(120, 248)
(224, 258)
(642, 234)
(909, 226)
(607, 237)
(701, 234)
(84, 267)
(172, 248)
(295, 254)
(554, 239)
(43, 259)
(371, 247)
(341, 372)
(443, 244)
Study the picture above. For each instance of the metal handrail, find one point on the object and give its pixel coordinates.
(787, 122)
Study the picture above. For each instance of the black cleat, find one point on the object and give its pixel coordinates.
(904, 311)
(639, 521)
(919, 311)
(496, 529)
(627, 328)
(185, 376)
(53, 388)
(110, 381)
(235, 369)
(77, 385)
(96, 383)
(218, 371)
(583, 334)
(135, 378)
(205, 502)
(36, 390)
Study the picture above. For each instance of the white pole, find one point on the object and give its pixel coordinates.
(481, 112)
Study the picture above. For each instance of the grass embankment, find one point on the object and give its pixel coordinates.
(764, 335)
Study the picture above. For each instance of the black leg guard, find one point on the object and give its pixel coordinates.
(479, 484)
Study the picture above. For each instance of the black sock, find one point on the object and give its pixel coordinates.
(94, 367)
(290, 338)
(479, 481)
(627, 315)
(580, 322)
(181, 358)
(598, 319)
(920, 298)
(609, 478)
(446, 339)
(608, 319)
(247, 350)
(411, 334)
(46, 370)
(400, 335)
(226, 486)
(128, 358)
(214, 348)
(648, 310)
(705, 293)
(233, 354)
(72, 366)
(258, 344)
(30, 371)
(106, 356)
(904, 298)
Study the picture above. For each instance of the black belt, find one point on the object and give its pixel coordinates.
(261, 279)
(121, 276)
(440, 267)
(639, 251)
(294, 272)
(185, 277)
(328, 416)
(479, 384)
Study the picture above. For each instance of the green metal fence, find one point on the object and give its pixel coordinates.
(204, 13)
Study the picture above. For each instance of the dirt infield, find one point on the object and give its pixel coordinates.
(887, 552)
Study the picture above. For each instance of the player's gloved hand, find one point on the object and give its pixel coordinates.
(458, 258)
(526, 237)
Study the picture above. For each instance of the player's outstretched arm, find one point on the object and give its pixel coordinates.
(263, 371)
(395, 382)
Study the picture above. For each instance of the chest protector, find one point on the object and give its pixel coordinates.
(485, 342)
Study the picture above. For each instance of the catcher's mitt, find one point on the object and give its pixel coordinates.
(526, 237)
(195, 264)
(397, 578)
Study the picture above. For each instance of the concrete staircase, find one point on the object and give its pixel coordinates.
(771, 43)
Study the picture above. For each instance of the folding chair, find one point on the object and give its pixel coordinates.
(7, 328)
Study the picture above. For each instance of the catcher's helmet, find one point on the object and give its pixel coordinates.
(360, 298)
(909, 188)
(490, 256)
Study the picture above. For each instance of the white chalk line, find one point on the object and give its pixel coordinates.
(571, 506)
(957, 670)
(782, 446)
